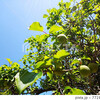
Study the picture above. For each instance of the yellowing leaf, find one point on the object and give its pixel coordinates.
(36, 27)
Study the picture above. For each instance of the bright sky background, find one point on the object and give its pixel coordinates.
(15, 18)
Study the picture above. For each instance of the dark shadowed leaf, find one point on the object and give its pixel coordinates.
(25, 79)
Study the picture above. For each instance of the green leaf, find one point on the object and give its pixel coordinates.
(46, 57)
(39, 64)
(41, 38)
(49, 62)
(25, 79)
(50, 75)
(61, 53)
(71, 0)
(55, 28)
(75, 61)
(15, 65)
(66, 88)
(87, 58)
(45, 16)
(61, 0)
(68, 4)
(75, 91)
(10, 62)
(36, 27)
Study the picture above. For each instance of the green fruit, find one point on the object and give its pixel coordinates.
(58, 73)
(62, 38)
(93, 67)
(58, 65)
(85, 70)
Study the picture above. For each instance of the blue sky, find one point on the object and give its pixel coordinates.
(15, 18)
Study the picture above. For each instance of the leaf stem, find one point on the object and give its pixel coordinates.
(44, 32)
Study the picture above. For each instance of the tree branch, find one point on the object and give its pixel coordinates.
(38, 91)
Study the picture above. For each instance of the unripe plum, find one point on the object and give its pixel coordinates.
(93, 67)
(62, 38)
(85, 70)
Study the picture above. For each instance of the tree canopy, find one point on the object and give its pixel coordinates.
(60, 60)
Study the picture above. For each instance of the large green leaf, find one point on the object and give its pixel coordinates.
(25, 79)
(36, 27)
(75, 91)
(61, 53)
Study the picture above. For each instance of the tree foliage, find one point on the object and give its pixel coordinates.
(55, 64)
